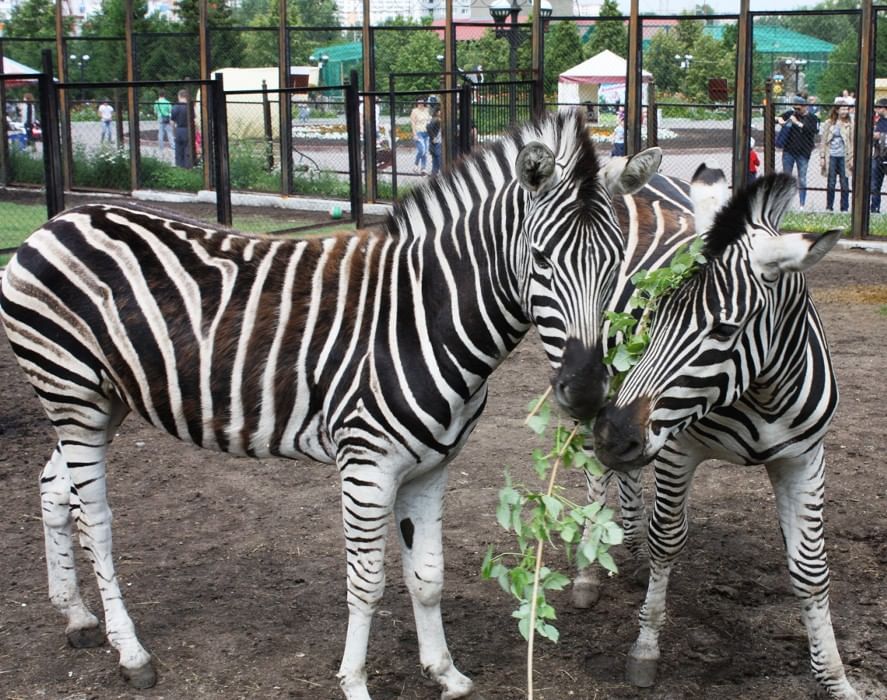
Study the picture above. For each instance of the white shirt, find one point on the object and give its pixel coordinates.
(106, 111)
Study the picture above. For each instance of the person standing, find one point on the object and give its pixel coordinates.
(163, 110)
(803, 127)
(619, 135)
(28, 118)
(180, 117)
(419, 118)
(754, 162)
(879, 153)
(836, 153)
(435, 139)
(106, 115)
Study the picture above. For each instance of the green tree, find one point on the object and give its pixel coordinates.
(688, 31)
(30, 20)
(608, 34)
(711, 59)
(411, 50)
(660, 60)
(563, 50)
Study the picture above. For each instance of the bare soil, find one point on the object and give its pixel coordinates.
(234, 569)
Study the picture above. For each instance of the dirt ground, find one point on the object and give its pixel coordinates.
(234, 569)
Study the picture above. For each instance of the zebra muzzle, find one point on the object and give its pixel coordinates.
(580, 384)
(620, 435)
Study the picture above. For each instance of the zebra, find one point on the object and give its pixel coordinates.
(656, 220)
(371, 351)
(738, 369)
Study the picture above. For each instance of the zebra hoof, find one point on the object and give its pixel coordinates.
(585, 595)
(86, 637)
(140, 677)
(641, 673)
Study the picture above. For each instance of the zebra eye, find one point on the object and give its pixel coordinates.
(541, 261)
(724, 331)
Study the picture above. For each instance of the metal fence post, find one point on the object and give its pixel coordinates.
(352, 123)
(52, 150)
(269, 132)
(222, 172)
(392, 134)
(465, 118)
(652, 116)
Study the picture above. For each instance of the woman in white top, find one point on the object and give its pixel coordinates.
(419, 118)
(836, 153)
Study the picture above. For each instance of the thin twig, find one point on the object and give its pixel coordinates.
(536, 574)
(538, 406)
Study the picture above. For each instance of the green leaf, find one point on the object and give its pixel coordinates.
(555, 581)
(548, 631)
(553, 506)
(607, 562)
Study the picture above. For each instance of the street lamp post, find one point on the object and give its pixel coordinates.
(796, 64)
(505, 14)
(684, 60)
(81, 60)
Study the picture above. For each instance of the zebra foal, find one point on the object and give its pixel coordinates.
(369, 351)
(738, 369)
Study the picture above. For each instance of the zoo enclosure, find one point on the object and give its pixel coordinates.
(739, 113)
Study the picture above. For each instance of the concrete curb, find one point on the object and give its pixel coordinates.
(273, 201)
(879, 246)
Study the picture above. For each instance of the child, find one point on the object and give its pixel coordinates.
(753, 162)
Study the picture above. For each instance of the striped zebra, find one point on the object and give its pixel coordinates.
(657, 220)
(738, 369)
(371, 351)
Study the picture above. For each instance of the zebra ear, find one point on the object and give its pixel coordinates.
(536, 167)
(793, 252)
(623, 175)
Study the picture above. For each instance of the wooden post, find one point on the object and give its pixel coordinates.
(742, 115)
(862, 184)
(284, 104)
(4, 135)
(61, 56)
(769, 127)
(634, 83)
(368, 127)
(132, 103)
(205, 97)
(448, 103)
(652, 116)
(269, 132)
(538, 96)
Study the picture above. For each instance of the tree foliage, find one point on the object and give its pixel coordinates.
(563, 50)
(606, 34)
(660, 61)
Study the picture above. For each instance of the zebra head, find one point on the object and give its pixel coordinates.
(724, 330)
(571, 252)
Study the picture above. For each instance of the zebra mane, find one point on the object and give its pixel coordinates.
(564, 132)
(762, 204)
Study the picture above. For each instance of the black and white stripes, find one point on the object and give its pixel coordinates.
(370, 351)
(738, 369)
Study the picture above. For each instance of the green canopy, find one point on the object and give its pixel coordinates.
(337, 61)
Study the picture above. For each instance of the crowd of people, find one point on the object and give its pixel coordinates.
(798, 131)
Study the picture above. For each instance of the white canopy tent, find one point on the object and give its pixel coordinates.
(602, 75)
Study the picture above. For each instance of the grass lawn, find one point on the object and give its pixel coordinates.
(17, 221)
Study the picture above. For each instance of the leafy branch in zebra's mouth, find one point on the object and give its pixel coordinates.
(540, 517)
(651, 286)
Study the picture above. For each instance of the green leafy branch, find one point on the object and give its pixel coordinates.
(545, 517)
(651, 286)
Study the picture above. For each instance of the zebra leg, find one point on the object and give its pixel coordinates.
(84, 451)
(634, 522)
(587, 584)
(666, 539)
(799, 488)
(419, 513)
(55, 500)
(367, 502)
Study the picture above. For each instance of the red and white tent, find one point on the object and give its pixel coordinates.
(15, 68)
(582, 83)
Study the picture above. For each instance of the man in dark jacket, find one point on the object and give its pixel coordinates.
(180, 116)
(803, 127)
